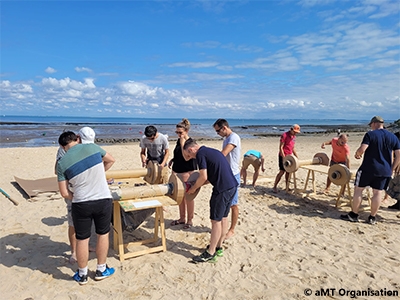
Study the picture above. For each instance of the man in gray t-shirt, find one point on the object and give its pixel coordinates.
(156, 145)
(231, 148)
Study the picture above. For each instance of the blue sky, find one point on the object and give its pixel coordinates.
(321, 59)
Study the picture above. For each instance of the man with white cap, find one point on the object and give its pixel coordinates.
(376, 169)
(286, 147)
(86, 135)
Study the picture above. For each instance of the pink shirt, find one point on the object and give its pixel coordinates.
(339, 152)
(288, 141)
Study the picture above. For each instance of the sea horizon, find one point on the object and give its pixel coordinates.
(138, 120)
(39, 131)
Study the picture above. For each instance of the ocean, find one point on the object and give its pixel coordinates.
(42, 131)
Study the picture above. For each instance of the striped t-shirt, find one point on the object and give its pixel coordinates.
(83, 167)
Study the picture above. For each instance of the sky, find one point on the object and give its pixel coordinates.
(304, 59)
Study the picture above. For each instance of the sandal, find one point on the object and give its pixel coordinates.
(177, 222)
(187, 226)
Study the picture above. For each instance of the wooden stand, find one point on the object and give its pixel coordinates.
(159, 225)
(345, 187)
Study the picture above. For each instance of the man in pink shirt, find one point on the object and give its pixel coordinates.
(286, 147)
(340, 154)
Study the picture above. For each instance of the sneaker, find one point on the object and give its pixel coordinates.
(106, 273)
(352, 217)
(218, 251)
(205, 256)
(371, 220)
(80, 279)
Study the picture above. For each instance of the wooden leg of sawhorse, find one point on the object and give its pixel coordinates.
(342, 192)
(119, 245)
(118, 240)
(310, 172)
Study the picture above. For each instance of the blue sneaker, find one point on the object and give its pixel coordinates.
(106, 273)
(80, 279)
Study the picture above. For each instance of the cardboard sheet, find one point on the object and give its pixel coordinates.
(34, 187)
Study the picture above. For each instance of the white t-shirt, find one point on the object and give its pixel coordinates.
(233, 157)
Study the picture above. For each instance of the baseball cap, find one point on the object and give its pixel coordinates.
(295, 128)
(376, 119)
(87, 135)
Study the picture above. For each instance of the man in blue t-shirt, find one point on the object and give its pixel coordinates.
(213, 168)
(376, 169)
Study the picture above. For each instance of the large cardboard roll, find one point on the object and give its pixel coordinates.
(339, 174)
(291, 163)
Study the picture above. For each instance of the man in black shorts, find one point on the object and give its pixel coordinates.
(215, 169)
(378, 146)
(83, 168)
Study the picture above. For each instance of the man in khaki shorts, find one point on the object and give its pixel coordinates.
(256, 159)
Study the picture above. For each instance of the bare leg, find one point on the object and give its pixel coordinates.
(82, 252)
(235, 217)
(287, 180)
(182, 211)
(244, 175)
(216, 234)
(277, 179)
(224, 229)
(328, 184)
(255, 177)
(190, 211)
(72, 242)
(357, 198)
(102, 248)
(375, 201)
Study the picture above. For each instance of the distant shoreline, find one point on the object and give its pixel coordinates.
(27, 134)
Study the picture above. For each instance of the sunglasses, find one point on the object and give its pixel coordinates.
(218, 130)
(151, 138)
(179, 132)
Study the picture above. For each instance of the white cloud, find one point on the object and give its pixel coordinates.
(82, 69)
(50, 70)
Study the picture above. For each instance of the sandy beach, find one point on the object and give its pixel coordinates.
(285, 245)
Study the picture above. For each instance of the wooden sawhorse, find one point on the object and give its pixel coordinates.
(159, 225)
(311, 169)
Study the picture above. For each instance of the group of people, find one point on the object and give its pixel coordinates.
(81, 169)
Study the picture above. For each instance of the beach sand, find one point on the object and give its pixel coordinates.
(284, 243)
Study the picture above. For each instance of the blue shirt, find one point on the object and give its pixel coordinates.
(254, 153)
(219, 172)
(378, 156)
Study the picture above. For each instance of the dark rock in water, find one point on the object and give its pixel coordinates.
(244, 127)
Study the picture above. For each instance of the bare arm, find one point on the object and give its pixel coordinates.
(348, 161)
(228, 148)
(108, 161)
(360, 151)
(396, 162)
(143, 156)
(326, 143)
(281, 149)
(166, 155)
(64, 191)
(199, 182)
(262, 164)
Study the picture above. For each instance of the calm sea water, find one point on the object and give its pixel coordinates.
(35, 131)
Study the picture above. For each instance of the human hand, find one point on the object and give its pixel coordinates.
(323, 146)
